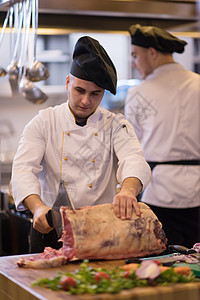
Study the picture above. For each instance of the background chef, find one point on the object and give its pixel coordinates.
(81, 144)
(164, 111)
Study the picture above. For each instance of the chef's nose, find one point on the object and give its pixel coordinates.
(86, 99)
(133, 64)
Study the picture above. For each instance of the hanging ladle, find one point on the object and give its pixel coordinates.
(13, 69)
(37, 71)
(26, 87)
(31, 92)
(2, 70)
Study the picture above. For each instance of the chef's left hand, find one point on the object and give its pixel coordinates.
(125, 201)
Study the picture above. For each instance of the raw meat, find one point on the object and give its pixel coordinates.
(48, 259)
(96, 233)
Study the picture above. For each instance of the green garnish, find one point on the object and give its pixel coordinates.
(100, 280)
(170, 276)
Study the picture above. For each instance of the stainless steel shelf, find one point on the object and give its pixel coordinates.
(115, 15)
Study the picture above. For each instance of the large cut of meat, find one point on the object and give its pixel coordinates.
(95, 232)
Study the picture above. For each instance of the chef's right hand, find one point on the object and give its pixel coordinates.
(39, 211)
(40, 220)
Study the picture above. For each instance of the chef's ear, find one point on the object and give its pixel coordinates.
(67, 81)
(153, 52)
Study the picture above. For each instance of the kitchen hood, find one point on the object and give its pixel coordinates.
(115, 15)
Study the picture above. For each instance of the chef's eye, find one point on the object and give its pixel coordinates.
(80, 90)
(95, 93)
(134, 55)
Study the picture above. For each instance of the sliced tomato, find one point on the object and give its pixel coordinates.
(67, 282)
(156, 262)
(126, 274)
(99, 275)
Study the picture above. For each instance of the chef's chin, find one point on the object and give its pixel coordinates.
(83, 113)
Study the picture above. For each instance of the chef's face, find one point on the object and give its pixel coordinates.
(84, 96)
(142, 60)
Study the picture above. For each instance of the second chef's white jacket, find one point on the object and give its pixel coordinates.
(165, 113)
(53, 146)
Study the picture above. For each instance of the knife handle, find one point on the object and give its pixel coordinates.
(49, 218)
(181, 249)
(135, 260)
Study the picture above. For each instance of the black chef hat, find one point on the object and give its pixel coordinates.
(91, 62)
(151, 36)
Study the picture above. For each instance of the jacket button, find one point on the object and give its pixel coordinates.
(96, 133)
(65, 158)
(90, 185)
(93, 160)
(67, 133)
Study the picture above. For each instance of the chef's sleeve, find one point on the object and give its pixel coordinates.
(27, 163)
(131, 161)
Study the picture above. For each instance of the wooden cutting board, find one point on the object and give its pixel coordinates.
(15, 284)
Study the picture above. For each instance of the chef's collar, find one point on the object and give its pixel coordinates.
(93, 117)
(81, 123)
(92, 63)
(151, 36)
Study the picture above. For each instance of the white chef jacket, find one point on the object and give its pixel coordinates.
(53, 146)
(164, 111)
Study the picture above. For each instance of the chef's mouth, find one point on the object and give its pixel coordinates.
(84, 108)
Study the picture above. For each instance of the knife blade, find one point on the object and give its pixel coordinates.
(165, 260)
(184, 250)
(53, 216)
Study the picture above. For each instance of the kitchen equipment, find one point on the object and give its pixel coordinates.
(165, 260)
(13, 69)
(195, 266)
(17, 69)
(53, 216)
(31, 92)
(3, 202)
(37, 71)
(2, 70)
(184, 250)
(26, 87)
(25, 38)
(14, 226)
(10, 29)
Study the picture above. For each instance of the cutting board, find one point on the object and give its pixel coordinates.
(15, 284)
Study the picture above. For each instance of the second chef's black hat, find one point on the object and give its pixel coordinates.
(151, 36)
(92, 63)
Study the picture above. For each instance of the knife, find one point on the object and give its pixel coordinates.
(53, 215)
(165, 260)
(184, 250)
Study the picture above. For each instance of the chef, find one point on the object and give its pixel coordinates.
(82, 145)
(164, 111)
